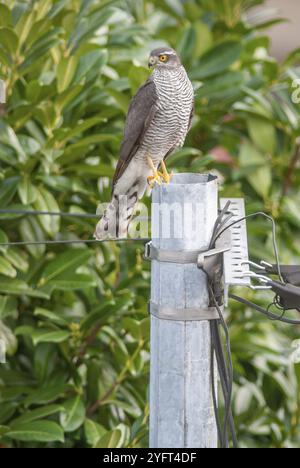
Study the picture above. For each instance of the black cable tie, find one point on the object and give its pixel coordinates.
(288, 294)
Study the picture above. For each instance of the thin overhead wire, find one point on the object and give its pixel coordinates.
(60, 241)
(47, 213)
(68, 241)
(274, 237)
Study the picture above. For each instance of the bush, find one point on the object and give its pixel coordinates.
(74, 317)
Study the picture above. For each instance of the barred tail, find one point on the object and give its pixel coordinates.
(116, 218)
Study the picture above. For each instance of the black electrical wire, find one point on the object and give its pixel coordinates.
(275, 246)
(263, 311)
(213, 387)
(60, 241)
(219, 222)
(226, 374)
(220, 358)
(47, 213)
(225, 370)
(76, 241)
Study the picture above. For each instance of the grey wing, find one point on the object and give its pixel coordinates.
(140, 114)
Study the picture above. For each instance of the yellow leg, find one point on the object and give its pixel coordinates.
(156, 177)
(165, 175)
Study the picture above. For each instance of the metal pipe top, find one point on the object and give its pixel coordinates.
(186, 178)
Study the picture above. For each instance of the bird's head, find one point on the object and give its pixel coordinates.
(164, 57)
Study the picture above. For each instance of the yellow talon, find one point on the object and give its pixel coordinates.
(165, 175)
(155, 178)
(158, 176)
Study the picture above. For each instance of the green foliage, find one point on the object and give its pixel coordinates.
(74, 318)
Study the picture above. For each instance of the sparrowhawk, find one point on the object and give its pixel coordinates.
(157, 122)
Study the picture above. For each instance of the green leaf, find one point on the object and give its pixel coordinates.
(111, 439)
(81, 127)
(19, 287)
(93, 60)
(228, 85)
(261, 176)
(71, 259)
(8, 137)
(27, 191)
(263, 134)
(137, 76)
(5, 15)
(3, 429)
(176, 7)
(64, 99)
(65, 72)
(100, 314)
(132, 326)
(38, 431)
(6, 268)
(45, 201)
(8, 189)
(7, 411)
(187, 44)
(52, 316)
(38, 52)
(93, 432)
(17, 259)
(36, 414)
(3, 240)
(45, 395)
(121, 99)
(49, 336)
(9, 40)
(217, 60)
(74, 415)
(25, 25)
(204, 38)
(145, 328)
(31, 231)
(8, 307)
(73, 283)
(9, 339)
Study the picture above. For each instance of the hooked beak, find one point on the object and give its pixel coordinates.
(152, 62)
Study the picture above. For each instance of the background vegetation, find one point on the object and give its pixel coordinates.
(75, 318)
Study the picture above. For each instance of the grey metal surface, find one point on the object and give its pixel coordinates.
(235, 260)
(191, 313)
(187, 256)
(181, 407)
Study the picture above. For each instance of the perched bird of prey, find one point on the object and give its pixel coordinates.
(157, 122)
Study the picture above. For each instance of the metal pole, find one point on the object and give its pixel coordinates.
(181, 406)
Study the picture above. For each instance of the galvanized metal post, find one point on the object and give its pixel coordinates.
(181, 405)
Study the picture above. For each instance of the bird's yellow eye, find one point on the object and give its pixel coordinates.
(163, 58)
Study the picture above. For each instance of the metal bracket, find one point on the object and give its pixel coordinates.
(170, 256)
(232, 245)
(198, 257)
(183, 314)
(236, 259)
(207, 259)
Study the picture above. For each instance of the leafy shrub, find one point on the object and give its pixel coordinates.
(74, 317)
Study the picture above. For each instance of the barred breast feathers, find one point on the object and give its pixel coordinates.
(175, 101)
